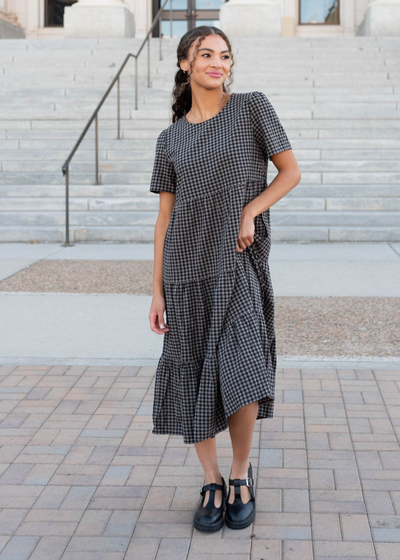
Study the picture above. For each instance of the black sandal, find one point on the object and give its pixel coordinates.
(239, 515)
(208, 517)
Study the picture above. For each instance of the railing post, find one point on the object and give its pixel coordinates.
(97, 148)
(148, 62)
(119, 111)
(136, 82)
(67, 243)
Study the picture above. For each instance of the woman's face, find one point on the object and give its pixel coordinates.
(211, 66)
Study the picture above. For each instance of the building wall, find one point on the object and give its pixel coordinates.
(30, 15)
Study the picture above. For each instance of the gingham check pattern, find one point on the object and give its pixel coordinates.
(220, 351)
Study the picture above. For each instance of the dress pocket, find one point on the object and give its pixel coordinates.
(262, 221)
(266, 219)
(262, 236)
(260, 228)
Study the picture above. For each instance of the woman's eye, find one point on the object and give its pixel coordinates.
(208, 54)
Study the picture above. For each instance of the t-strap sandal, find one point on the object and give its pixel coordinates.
(209, 517)
(239, 515)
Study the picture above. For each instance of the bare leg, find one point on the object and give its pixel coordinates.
(241, 428)
(207, 453)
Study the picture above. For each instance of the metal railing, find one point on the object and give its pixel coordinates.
(94, 117)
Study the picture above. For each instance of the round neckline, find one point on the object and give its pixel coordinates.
(210, 119)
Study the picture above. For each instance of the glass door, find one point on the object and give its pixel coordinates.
(321, 12)
(187, 14)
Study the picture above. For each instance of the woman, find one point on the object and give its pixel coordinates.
(211, 276)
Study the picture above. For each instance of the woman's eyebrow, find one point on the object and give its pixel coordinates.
(205, 49)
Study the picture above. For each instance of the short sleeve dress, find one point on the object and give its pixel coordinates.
(219, 353)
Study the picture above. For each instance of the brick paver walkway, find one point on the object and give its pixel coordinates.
(83, 478)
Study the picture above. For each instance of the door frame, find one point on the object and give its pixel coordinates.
(319, 23)
(191, 14)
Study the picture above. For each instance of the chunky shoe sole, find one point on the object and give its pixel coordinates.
(245, 523)
(209, 528)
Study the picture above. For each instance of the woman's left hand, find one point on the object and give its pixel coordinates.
(246, 232)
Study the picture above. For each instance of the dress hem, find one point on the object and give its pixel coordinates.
(160, 431)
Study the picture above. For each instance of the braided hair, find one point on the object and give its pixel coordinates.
(182, 94)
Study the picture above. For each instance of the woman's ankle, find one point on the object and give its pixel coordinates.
(239, 469)
(212, 476)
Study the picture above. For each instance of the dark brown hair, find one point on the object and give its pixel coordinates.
(182, 94)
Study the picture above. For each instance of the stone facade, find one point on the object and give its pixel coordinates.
(99, 18)
(128, 18)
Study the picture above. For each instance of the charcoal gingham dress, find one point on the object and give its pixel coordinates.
(220, 351)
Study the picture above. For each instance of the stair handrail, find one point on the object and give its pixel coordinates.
(94, 117)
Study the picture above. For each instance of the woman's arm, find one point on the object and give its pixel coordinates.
(167, 202)
(288, 177)
(157, 309)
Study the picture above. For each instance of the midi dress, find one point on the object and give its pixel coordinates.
(219, 353)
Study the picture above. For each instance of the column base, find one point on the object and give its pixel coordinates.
(98, 21)
(382, 19)
(251, 18)
(10, 31)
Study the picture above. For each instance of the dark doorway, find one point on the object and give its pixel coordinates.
(54, 12)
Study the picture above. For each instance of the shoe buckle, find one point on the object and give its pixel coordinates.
(249, 481)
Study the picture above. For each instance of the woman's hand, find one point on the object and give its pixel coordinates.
(156, 315)
(246, 231)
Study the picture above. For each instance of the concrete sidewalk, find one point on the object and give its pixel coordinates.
(66, 328)
(313, 269)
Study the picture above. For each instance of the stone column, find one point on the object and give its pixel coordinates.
(99, 18)
(382, 19)
(251, 18)
(10, 27)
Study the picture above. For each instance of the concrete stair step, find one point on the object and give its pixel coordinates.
(137, 203)
(314, 178)
(137, 166)
(145, 164)
(308, 144)
(305, 99)
(143, 217)
(87, 144)
(111, 178)
(134, 122)
(340, 128)
(303, 190)
(290, 234)
(44, 178)
(56, 133)
(59, 156)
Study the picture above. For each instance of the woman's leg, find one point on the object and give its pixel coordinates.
(207, 453)
(241, 428)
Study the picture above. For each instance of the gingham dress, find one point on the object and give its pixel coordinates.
(220, 351)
